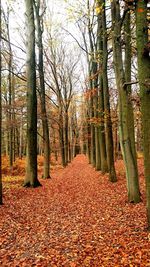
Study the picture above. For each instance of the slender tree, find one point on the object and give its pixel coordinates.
(31, 165)
(102, 139)
(107, 114)
(10, 93)
(46, 142)
(92, 71)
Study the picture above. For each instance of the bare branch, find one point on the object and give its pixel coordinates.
(129, 83)
(85, 50)
(3, 38)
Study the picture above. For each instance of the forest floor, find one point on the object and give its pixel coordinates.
(76, 219)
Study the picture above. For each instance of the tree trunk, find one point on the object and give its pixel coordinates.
(21, 138)
(55, 147)
(66, 136)
(91, 69)
(130, 115)
(88, 133)
(95, 111)
(107, 115)
(31, 164)
(125, 139)
(10, 89)
(92, 128)
(61, 138)
(46, 141)
(144, 81)
(1, 193)
(102, 140)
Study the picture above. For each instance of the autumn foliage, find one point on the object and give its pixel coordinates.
(78, 218)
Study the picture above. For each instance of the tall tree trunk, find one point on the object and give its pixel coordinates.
(88, 133)
(55, 147)
(92, 127)
(95, 111)
(91, 68)
(61, 137)
(1, 193)
(17, 141)
(21, 137)
(97, 147)
(31, 164)
(107, 115)
(102, 140)
(10, 89)
(143, 48)
(66, 129)
(130, 115)
(42, 93)
(125, 140)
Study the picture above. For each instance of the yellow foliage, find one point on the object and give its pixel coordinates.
(98, 9)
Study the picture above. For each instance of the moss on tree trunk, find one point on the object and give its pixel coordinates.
(144, 81)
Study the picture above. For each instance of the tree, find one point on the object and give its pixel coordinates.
(10, 92)
(62, 69)
(31, 165)
(143, 54)
(1, 200)
(102, 138)
(46, 142)
(124, 108)
(107, 113)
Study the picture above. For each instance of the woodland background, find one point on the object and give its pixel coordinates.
(75, 79)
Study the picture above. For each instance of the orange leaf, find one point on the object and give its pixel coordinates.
(140, 10)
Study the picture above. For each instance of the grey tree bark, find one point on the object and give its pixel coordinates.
(107, 114)
(125, 140)
(31, 179)
(143, 53)
(45, 127)
(1, 191)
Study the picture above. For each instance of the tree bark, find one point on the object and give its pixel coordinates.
(107, 115)
(10, 96)
(61, 137)
(125, 140)
(1, 191)
(102, 140)
(31, 160)
(45, 127)
(144, 82)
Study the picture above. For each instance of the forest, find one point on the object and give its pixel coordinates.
(75, 133)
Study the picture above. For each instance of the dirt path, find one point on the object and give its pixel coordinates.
(78, 218)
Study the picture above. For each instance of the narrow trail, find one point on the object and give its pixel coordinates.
(78, 218)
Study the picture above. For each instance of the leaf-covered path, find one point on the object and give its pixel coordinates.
(78, 218)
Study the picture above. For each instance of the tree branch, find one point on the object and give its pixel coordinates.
(129, 83)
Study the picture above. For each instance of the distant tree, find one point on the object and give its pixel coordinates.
(31, 165)
(10, 91)
(63, 80)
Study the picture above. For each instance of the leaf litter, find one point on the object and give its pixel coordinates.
(77, 218)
